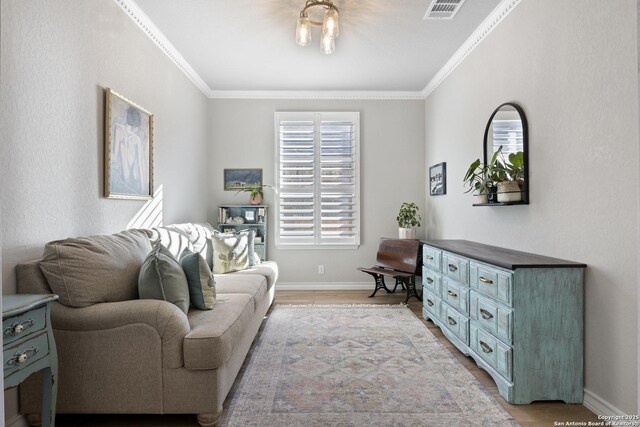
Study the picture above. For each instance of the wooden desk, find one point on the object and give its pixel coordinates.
(28, 346)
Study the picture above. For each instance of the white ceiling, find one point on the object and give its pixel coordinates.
(243, 45)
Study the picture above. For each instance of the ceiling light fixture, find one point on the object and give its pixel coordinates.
(329, 24)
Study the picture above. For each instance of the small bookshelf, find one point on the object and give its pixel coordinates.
(243, 217)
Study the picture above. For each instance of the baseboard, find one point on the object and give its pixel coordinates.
(17, 421)
(325, 286)
(598, 405)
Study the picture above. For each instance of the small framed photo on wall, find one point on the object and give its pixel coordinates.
(438, 179)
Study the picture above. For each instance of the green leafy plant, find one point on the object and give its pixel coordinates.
(254, 190)
(408, 216)
(510, 168)
(478, 178)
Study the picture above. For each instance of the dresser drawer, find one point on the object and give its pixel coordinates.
(24, 354)
(431, 258)
(17, 327)
(492, 282)
(491, 350)
(455, 322)
(432, 304)
(431, 281)
(455, 295)
(492, 317)
(455, 267)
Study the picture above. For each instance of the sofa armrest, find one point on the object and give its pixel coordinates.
(169, 322)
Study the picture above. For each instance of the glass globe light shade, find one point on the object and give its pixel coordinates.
(327, 44)
(330, 23)
(303, 31)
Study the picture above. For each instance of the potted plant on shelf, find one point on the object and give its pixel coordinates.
(509, 175)
(256, 193)
(408, 219)
(479, 178)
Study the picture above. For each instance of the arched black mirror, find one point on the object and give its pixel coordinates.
(506, 154)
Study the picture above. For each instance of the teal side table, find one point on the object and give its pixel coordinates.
(28, 346)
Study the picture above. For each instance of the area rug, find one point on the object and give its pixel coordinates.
(365, 365)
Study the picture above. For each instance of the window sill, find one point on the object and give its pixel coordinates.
(312, 246)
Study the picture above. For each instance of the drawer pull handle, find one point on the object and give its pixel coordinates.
(429, 280)
(485, 347)
(485, 314)
(18, 328)
(429, 257)
(430, 303)
(487, 281)
(452, 321)
(452, 294)
(453, 268)
(21, 357)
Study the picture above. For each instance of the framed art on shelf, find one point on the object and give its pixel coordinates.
(128, 151)
(438, 179)
(249, 215)
(239, 179)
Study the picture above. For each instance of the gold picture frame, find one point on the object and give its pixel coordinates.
(128, 149)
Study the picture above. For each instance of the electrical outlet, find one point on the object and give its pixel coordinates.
(321, 269)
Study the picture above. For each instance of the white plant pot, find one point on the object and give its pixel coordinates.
(406, 233)
(509, 191)
(482, 198)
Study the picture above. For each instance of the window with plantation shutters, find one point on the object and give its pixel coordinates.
(317, 164)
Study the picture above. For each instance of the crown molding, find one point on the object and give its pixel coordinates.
(143, 21)
(489, 24)
(281, 94)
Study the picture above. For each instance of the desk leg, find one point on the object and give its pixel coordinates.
(379, 283)
(49, 395)
(411, 290)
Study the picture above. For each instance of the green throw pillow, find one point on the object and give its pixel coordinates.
(202, 285)
(230, 251)
(161, 277)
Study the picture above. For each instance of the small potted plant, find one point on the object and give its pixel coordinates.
(256, 193)
(408, 219)
(509, 175)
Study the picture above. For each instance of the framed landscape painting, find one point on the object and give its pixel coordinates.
(438, 179)
(128, 154)
(239, 179)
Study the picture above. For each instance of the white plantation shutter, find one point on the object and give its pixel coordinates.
(317, 159)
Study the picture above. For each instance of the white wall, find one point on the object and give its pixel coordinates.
(56, 59)
(392, 171)
(572, 66)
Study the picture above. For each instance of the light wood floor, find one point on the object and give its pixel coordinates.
(536, 414)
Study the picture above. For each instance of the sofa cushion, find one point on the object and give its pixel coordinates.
(215, 334)
(174, 241)
(230, 251)
(162, 278)
(200, 237)
(250, 284)
(267, 269)
(202, 284)
(89, 270)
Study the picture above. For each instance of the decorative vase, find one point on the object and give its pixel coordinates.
(255, 200)
(406, 233)
(509, 191)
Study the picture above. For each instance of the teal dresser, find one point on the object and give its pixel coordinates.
(518, 315)
(28, 346)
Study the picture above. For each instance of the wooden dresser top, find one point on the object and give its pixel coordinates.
(505, 258)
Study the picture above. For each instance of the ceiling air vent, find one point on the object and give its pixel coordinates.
(443, 9)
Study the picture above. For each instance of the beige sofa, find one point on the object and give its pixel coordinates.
(147, 356)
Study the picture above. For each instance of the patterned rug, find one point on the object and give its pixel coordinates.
(365, 365)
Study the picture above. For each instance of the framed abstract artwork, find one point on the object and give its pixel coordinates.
(438, 179)
(239, 179)
(128, 152)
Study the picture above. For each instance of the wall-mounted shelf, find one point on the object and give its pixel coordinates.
(501, 204)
